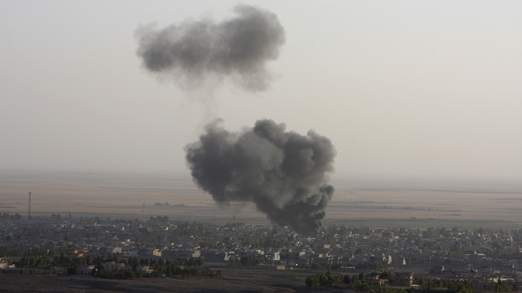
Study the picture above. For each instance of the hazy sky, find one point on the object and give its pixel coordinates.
(404, 89)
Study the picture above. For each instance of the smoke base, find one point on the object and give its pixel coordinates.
(282, 172)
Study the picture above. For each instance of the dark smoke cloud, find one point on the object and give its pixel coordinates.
(195, 50)
(282, 172)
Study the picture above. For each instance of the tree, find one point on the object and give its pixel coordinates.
(312, 281)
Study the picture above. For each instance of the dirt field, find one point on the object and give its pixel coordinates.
(133, 195)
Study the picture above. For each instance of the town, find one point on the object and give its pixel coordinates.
(159, 247)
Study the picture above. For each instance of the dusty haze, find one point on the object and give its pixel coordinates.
(406, 90)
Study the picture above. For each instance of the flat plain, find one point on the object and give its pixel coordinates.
(141, 196)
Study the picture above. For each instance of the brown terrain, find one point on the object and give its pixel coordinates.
(133, 195)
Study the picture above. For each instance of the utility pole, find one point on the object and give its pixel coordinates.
(29, 207)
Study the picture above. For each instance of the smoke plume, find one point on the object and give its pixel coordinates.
(193, 51)
(282, 172)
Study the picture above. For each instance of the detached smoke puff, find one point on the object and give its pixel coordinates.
(195, 50)
(283, 173)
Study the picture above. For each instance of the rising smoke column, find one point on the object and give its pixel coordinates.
(193, 51)
(282, 172)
